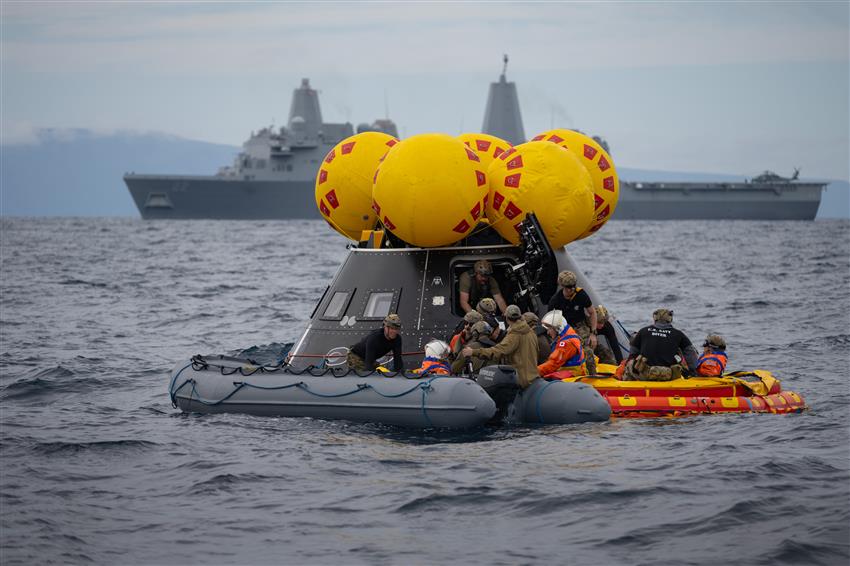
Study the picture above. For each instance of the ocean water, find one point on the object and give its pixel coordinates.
(97, 467)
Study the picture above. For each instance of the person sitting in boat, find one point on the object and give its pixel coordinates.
(654, 352)
(609, 352)
(478, 284)
(436, 359)
(543, 341)
(363, 356)
(518, 348)
(566, 350)
(481, 332)
(463, 333)
(712, 362)
(577, 308)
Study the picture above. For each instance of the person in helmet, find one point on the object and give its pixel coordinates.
(463, 333)
(363, 356)
(543, 340)
(607, 346)
(566, 351)
(518, 348)
(481, 338)
(712, 362)
(436, 359)
(577, 308)
(655, 353)
(477, 284)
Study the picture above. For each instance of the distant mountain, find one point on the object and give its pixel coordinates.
(79, 172)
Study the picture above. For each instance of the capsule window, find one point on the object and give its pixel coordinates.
(337, 305)
(379, 304)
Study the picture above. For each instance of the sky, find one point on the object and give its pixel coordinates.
(716, 87)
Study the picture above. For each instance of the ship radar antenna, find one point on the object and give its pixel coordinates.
(796, 174)
(505, 65)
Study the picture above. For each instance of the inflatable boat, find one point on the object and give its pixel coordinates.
(223, 384)
(754, 391)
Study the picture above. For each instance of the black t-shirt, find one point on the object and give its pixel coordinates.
(660, 345)
(375, 344)
(572, 309)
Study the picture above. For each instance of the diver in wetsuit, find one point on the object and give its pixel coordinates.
(363, 355)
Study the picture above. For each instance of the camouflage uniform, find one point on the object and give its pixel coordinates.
(583, 330)
(638, 370)
(355, 362)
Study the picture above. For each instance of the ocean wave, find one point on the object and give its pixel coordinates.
(65, 448)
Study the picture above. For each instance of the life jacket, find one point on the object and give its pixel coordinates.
(434, 366)
(569, 335)
(713, 364)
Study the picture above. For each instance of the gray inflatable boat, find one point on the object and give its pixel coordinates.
(221, 384)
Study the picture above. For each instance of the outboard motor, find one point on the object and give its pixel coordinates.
(501, 384)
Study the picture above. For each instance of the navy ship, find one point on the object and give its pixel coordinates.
(273, 176)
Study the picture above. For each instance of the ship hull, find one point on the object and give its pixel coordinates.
(718, 201)
(197, 197)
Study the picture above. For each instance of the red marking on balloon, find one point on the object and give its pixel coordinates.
(498, 151)
(376, 207)
(392, 142)
(323, 176)
(497, 200)
(471, 155)
(538, 137)
(462, 227)
(515, 163)
(555, 139)
(388, 224)
(485, 200)
(506, 154)
(375, 176)
(512, 211)
(347, 147)
(476, 210)
(602, 215)
(330, 156)
(608, 183)
(599, 201)
(597, 227)
(513, 180)
(323, 207)
(603, 164)
(483, 145)
(589, 151)
(517, 225)
(331, 196)
(482, 178)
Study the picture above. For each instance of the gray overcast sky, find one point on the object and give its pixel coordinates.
(725, 87)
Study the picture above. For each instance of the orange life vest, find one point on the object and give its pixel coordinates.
(433, 366)
(712, 365)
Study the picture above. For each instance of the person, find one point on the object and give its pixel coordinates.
(487, 307)
(654, 351)
(477, 284)
(610, 353)
(543, 343)
(436, 360)
(463, 333)
(518, 348)
(363, 356)
(566, 351)
(576, 306)
(481, 332)
(712, 362)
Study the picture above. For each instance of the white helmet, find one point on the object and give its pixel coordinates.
(436, 349)
(554, 319)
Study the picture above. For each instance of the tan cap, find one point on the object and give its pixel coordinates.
(662, 315)
(601, 314)
(392, 320)
(482, 328)
(486, 305)
(472, 317)
(530, 318)
(483, 267)
(567, 279)
(715, 341)
(513, 313)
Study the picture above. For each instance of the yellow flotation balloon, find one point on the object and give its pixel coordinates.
(487, 147)
(344, 182)
(429, 190)
(606, 183)
(543, 178)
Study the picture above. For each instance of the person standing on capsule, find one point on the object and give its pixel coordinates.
(478, 284)
(363, 356)
(576, 306)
